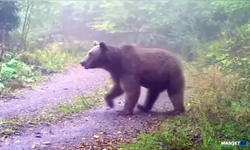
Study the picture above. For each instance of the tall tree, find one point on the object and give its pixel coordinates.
(37, 17)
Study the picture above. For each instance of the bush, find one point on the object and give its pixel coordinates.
(53, 61)
(14, 73)
(75, 47)
(56, 56)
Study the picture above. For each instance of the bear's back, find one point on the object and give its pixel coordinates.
(158, 66)
(158, 58)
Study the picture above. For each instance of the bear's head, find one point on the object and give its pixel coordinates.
(98, 56)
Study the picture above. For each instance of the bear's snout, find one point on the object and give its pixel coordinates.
(82, 63)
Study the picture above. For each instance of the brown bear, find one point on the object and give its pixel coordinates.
(131, 67)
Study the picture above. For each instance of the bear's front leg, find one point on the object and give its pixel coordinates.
(114, 92)
(131, 100)
(131, 88)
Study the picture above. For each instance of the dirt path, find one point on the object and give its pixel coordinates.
(86, 125)
(70, 132)
(59, 89)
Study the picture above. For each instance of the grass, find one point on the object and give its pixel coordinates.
(10, 126)
(83, 103)
(51, 60)
(218, 111)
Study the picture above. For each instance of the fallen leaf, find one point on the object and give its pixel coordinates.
(96, 136)
(46, 143)
(3, 138)
(33, 146)
(81, 146)
(17, 141)
(38, 136)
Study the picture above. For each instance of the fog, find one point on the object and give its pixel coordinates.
(47, 39)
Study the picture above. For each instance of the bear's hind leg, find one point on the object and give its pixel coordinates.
(151, 98)
(130, 103)
(177, 99)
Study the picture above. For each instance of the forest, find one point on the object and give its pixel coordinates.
(41, 38)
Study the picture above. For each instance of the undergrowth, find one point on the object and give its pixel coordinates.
(218, 110)
(23, 68)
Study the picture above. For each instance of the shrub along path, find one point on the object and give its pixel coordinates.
(98, 122)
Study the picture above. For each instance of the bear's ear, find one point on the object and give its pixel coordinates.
(95, 43)
(103, 46)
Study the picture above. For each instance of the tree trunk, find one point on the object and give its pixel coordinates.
(2, 42)
(23, 41)
(28, 25)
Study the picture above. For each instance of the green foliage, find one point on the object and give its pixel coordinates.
(231, 53)
(37, 19)
(178, 26)
(56, 56)
(53, 61)
(183, 26)
(11, 69)
(1, 86)
(15, 71)
(75, 47)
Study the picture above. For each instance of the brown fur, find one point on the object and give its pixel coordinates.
(131, 67)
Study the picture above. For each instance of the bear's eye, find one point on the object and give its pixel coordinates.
(90, 54)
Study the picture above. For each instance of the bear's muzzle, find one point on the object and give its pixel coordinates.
(82, 63)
